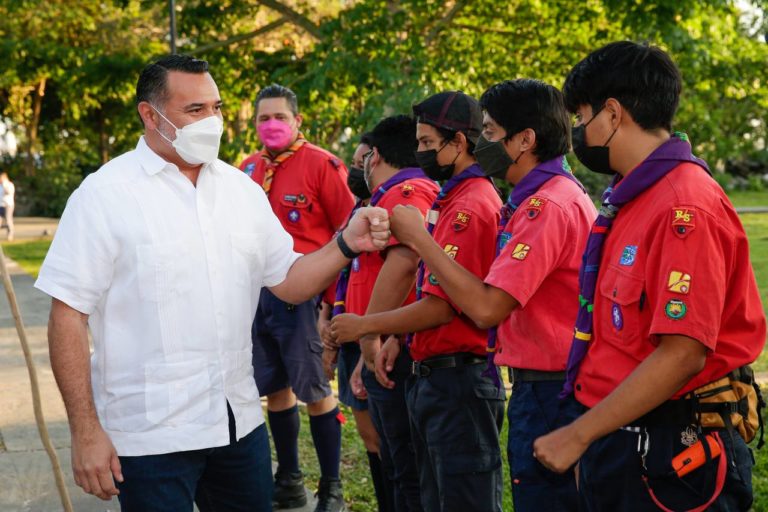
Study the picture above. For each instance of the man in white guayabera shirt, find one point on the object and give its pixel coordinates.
(163, 253)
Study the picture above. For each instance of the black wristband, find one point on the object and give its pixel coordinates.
(345, 249)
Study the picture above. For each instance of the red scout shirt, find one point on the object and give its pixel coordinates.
(466, 229)
(539, 267)
(676, 261)
(309, 194)
(420, 193)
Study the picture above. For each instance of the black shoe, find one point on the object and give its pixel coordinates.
(329, 496)
(289, 490)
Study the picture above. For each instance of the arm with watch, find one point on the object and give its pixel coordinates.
(309, 275)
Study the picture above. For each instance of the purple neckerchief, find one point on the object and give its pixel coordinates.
(528, 186)
(408, 173)
(473, 171)
(664, 159)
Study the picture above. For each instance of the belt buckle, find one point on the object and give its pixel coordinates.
(420, 370)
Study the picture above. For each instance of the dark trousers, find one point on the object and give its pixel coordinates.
(534, 410)
(237, 477)
(456, 416)
(610, 474)
(390, 418)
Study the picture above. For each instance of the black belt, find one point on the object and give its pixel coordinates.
(671, 413)
(425, 367)
(516, 375)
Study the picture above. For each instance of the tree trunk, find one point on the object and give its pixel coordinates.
(32, 127)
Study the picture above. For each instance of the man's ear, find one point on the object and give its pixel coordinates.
(299, 119)
(148, 115)
(461, 141)
(527, 139)
(616, 111)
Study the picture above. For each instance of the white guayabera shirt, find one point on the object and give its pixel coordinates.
(170, 275)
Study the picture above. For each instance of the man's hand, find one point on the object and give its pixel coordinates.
(407, 224)
(560, 449)
(356, 382)
(347, 327)
(330, 358)
(385, 361)
(369, 347)
(95, 462)
(368, 230)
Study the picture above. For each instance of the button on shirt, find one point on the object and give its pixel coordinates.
(170, 276)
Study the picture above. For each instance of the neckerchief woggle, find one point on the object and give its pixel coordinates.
(659, 163)
(473, 171)
(408, 173)
(528, 186)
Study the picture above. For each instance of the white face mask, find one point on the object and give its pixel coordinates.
(198, 142)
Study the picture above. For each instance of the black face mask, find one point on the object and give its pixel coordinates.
(493, 158)
(594, 158)
(427, 160)
(356, 183)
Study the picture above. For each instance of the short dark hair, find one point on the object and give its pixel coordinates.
(279, 91)
(449, 135)
(151, 86)
(395, 139)
(526, 103)
(366, 139)
(642, 77)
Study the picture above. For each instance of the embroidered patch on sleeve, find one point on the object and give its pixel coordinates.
(461, 222)
(451, 250)
(675, 309)
(683, 221)
(520, 252)
(533, 207)
(407, 190)
(679, 282)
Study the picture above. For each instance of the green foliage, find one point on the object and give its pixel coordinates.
(68, 91)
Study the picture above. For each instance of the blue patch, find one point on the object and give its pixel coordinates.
(356, 265)
(504, 239)
(294, 215)
(249, 169)
(617, 317)
(628, 255)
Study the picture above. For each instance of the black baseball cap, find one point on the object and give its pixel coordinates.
(452, 110)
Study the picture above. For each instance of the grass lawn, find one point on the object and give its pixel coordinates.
(29, 255)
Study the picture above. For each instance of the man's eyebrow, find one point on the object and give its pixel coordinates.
(193, 105)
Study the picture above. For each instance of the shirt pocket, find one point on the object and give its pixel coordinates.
(248, 258)
(177, 393)
(294, 207)
(163, 271)
(620, 305)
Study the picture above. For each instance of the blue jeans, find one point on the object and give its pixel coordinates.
(237, 477)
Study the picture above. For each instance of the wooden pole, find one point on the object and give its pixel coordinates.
(36, 403)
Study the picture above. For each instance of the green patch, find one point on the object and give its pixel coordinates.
(29, 255)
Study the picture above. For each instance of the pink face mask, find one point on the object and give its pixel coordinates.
(275, 134)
